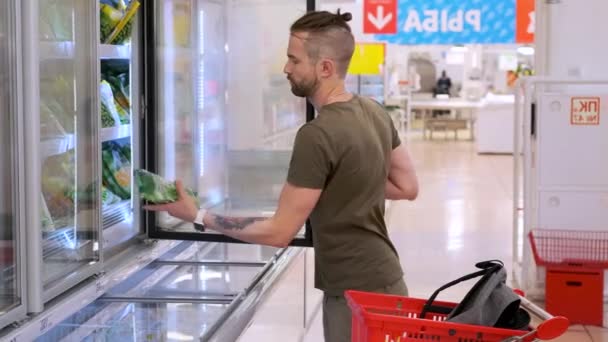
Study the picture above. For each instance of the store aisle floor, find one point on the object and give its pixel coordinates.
(463, 215)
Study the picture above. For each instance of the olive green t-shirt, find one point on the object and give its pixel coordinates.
(346, 152)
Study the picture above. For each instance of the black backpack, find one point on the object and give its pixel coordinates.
(490, 302)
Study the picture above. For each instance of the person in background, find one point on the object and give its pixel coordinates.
(444, 84)
(345, 163)
(443, 87)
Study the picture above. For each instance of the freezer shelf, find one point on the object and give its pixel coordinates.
(137, 322)
(65, 50)
(50, 146)
(57, 50)
(114, 133)
(108, 51)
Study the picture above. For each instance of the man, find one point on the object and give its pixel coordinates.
(444, 84)
(344, 164)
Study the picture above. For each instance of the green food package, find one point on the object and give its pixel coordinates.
(156, 190)
(109, 18)
(116, 170)
(109, 115)
(117, 16)
(108, 197)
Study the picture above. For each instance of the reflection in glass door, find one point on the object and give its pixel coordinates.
(68, 151)
(10, 263)
(225, 115)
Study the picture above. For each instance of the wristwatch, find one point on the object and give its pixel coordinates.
(198, 221)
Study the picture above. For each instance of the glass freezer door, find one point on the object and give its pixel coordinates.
(221, 113)
(69, 161)
(11, 237)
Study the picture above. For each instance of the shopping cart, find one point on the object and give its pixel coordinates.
(388, 318)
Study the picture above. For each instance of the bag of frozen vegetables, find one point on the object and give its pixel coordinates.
(117, 20)
(116, 170)
(108, 197)
(109, 115)
(156, 190)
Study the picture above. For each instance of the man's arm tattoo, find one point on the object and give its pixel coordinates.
(234, 223)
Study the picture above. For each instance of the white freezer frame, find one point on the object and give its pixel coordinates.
(16, 102)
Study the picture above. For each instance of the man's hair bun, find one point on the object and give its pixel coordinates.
(345, 16)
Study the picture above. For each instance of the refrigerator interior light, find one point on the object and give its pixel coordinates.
(201, 91)
(525, 50)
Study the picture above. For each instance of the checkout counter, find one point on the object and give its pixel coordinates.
(489, 119)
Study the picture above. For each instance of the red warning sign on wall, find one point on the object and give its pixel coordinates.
(585, 111)
(525, 22)
(380, 16)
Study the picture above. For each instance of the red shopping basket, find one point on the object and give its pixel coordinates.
(388, 318)
(553, 247)
(574, 280)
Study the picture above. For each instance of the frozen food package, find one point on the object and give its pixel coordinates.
(108, 197)
(109, 114)
(156, 190)
(116, 19)
(116, 170)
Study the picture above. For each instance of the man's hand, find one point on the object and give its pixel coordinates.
(184, 208)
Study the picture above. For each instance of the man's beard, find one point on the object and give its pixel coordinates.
(304, 88)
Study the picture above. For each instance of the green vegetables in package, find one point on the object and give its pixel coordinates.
(110, 114)
(108, 197)
(156, 190)
(119, 90)
(117, 21)
(116, 169)
(58, 177)
(115, 83)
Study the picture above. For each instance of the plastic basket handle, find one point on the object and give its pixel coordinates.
(488, 267)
